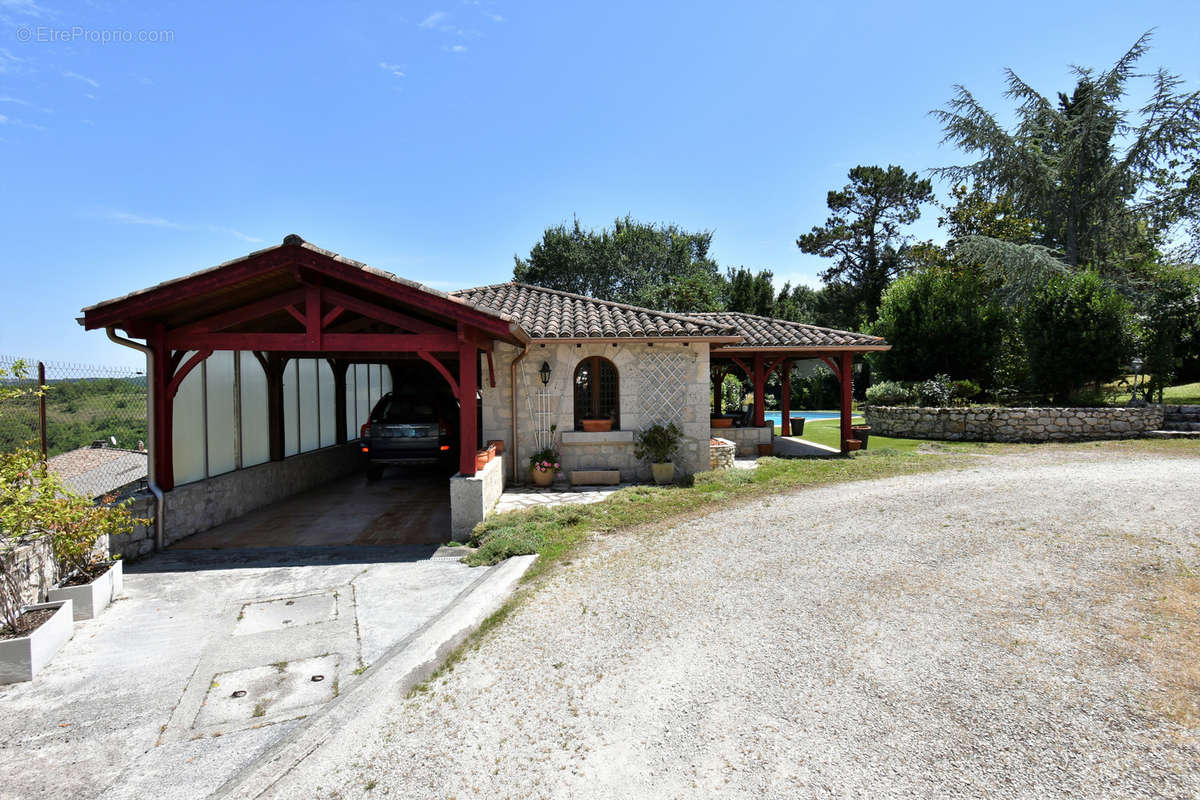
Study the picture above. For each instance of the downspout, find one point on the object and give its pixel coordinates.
(151, 435)
(512, 382)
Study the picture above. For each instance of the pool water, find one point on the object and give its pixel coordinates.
(776, 417)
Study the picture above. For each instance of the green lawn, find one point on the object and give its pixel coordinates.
(826, 432)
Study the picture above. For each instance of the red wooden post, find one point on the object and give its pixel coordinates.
(163, 407)
(847, 380)
(468, 364)
(760, 386)
(275, 430)
(339, 368)
(785, 376)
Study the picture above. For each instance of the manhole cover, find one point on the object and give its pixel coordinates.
(286, 612)
(244, 696)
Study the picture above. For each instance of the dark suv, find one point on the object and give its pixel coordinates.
(410, 429)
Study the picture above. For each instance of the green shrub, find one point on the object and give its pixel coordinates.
(1076, 331)
(657, 443)
(940, 321)
(935, 392)
(888, 393)
(962, 392)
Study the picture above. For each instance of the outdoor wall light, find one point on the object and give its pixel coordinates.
(544, 372)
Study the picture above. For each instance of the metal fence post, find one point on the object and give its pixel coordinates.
(42, 407)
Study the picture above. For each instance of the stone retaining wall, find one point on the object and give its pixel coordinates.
(721, 454)
(995, 424)
(746, 440)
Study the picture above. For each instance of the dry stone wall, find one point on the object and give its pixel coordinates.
(995, 424)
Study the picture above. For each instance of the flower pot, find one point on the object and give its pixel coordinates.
(492, 452)
(862, 433)
(498, 444)
(797, 426)
(765, 450)
(852, 445)
(481, 459)
(21, 659)
(663, 473)
(596, 425)
(89, 599)
(720, 422)
(543, 477)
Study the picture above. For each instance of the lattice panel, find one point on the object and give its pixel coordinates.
(663, 394)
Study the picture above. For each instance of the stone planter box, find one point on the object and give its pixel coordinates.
(722, 453)
(23, 658)
(90, 599)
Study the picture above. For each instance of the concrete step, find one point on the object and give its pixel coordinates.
(1182, 426)
(1186, 418)
(1194, 410)
(1172, 434)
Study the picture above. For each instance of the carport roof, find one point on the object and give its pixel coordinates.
(768, 333)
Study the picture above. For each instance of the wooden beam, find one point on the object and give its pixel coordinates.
(300, 343)
(760, 391)
(182, 372)
(491, 369)
(785, 378)
(333, 314)
(312, 314)
(468, 364)
(846, 376)
(440, 367)
(378, 312)
(246, 313)
(339, 368)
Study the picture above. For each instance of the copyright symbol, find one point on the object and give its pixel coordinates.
(24, 33)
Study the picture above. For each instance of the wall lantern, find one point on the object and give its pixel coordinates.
(544, 372)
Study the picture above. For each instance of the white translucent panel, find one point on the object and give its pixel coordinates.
(351, 405)
(376, 383)
(187, 428)
(218, 378)
(291, 409)
(256, 440)
(328, 410)
(310, 432)
(386, 382)
(362, 379)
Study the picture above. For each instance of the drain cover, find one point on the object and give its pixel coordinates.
(270, 690)
(286, 612)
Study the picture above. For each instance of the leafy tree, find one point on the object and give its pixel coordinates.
(1103, 183)
(865, 233)
(646, 264)
(751, 293)
(1169, 327)
(797, 304)
(1075, 330)
(940, 322)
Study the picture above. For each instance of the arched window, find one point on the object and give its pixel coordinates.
(596, 392)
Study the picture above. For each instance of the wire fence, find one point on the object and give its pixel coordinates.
(89, 422)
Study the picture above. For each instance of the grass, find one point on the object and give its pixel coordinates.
(554, 532)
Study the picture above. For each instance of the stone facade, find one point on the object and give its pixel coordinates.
(658, 383)
(746, 440)
(722, 453)
(994, 424)
(205, 504)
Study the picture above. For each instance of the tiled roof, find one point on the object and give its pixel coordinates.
(551, 314)
(767, 332)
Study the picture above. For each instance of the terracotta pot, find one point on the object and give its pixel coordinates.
(543, 478)
(765, 450)
(721, 422)
(862, 433)
(481, 459)
(498, 444)
(492, 451)
(596, 425)
(852, 445)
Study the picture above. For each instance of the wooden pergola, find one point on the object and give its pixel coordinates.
(296, 300)
(771, 345)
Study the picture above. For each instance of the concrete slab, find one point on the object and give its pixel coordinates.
(407, 506)
(123, 710)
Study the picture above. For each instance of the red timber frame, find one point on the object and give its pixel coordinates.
(318, 308)
(759, 366)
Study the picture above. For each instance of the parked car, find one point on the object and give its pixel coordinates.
(409, 429)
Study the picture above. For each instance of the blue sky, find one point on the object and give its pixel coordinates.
(437, 139)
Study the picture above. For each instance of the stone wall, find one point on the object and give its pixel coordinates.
(994, 424)
(660, 382)
(746, 440)
(473, 497)
(204, 504)
(721, 454)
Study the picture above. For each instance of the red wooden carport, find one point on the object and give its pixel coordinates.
(297, 300)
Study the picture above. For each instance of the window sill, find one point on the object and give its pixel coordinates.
(602, 437)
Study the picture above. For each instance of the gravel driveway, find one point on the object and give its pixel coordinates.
(1000, 631)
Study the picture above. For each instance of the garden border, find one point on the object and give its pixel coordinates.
(999, 424)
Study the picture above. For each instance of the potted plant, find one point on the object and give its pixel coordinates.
(596, 425)
(544, 466)
(87, 575)
(29, 635)
(716, 421)
(657, 444)
(797, 426)
(862, 433)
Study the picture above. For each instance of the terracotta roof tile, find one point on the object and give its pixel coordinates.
(551, 314)
(767, 332)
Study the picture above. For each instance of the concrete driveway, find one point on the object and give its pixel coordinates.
(209, 659)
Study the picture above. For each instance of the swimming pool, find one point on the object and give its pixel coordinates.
(776, 417)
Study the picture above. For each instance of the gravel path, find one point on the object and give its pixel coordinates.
(977, 633)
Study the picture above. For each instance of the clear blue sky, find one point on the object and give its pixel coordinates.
(437, 139)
